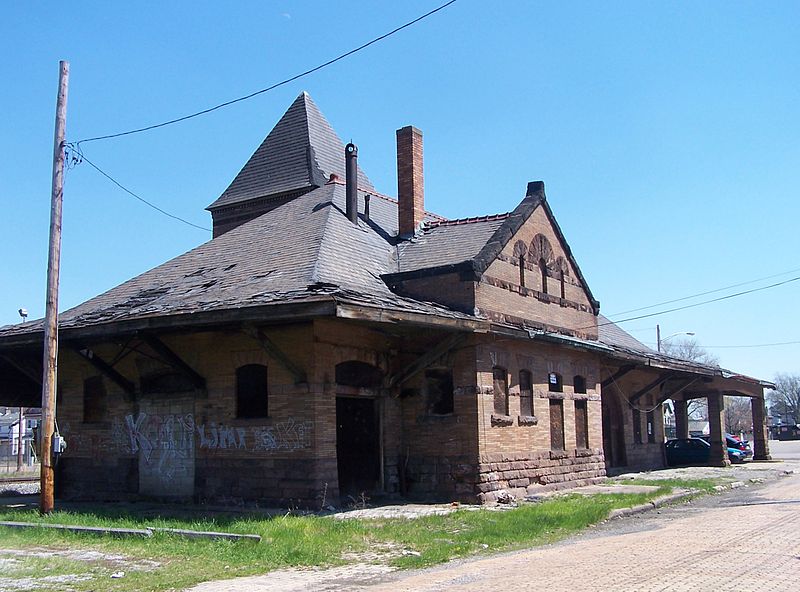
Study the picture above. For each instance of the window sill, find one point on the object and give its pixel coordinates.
(527, 420)
(502, 420)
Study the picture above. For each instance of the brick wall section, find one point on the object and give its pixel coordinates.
(515, 452)
(499, 292)
(410, 180)
(645, 455)
(438, 453)
(273, 459)
(447, 289)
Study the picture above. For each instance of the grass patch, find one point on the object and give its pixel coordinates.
(702, 485)
(290, 541)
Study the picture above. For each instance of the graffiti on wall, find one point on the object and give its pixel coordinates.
(145, 433)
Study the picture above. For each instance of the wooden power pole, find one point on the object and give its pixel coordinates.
(51, 317)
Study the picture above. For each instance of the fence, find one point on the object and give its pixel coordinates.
(9, 457)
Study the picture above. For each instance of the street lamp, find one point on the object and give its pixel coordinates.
(659, 340)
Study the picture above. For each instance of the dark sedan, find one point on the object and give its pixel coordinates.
(695, 451)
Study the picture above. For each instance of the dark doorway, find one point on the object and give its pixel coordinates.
(357, 445)
(613, 429)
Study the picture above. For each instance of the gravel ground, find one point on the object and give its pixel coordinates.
(11, 489)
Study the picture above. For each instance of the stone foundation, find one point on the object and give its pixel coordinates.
(523, 475)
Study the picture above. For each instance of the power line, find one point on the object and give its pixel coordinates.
(753, 345)
(80, 157)
(769, 277)
(748, 345)
(274, 86)
(677, 308)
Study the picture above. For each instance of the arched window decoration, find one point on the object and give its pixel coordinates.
(252, 392)
(95, 404)
(579, 383)
(439, 384)
(555, 383)
(540, 249)
(525, 393)
(500, 380)
(358, 374)
(543, 270)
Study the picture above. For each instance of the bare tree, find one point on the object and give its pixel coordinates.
(687, 348)
(738, 415)
(785, 398)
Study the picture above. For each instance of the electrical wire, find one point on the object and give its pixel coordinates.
(753, 345)
(677, 308)
(769, 277)
(273, 86)
(80, 157)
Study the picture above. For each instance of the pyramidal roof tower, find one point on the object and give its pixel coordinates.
(298, 155)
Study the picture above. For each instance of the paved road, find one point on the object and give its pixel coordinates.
(746, 540)
(683, 549)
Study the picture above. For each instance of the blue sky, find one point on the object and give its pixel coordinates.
(666, 134)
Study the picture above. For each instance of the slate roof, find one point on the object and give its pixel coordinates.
(303, 250)
(305, 247)
(301, 151)
(612, 334)
(447, 243)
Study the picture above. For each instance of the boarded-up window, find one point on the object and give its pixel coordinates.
(94, 400)
(637, 426)
(500, 376)
(556, 424)
(525, 393)
(251, 391)
(555, 382)
(579, 382)
(543, 271)
(651, 432)
(439, 384)
(581, 425)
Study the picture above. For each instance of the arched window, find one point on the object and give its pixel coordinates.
(500, 381)
(251, 391)
(543, 270)
(579, 383)
(94, 400)
(521, 253)
(525, 393)
(555, 383)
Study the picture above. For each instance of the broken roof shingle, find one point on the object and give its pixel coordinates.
(300, 152)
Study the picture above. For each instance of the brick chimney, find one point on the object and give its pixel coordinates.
(410, 181)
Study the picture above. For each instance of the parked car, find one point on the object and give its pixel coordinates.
(695, 451)
(734, 442)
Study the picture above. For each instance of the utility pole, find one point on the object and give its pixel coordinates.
(51, 317)
(658, 337)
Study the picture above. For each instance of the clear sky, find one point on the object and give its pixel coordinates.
(666, 134)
